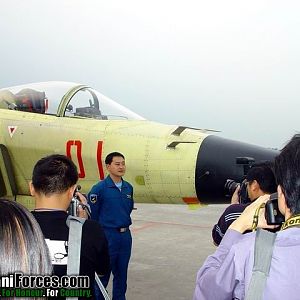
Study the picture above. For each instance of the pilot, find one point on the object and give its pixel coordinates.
(111, 202)
(260, 181)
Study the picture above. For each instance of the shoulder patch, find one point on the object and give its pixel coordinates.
(93, 198)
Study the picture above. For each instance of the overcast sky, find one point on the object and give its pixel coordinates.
(227, 65)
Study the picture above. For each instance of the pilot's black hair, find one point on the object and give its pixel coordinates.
(287, 172)
(110, 156)
(54, 174)
(264, 175)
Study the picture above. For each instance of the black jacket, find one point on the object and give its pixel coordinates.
(94, 247)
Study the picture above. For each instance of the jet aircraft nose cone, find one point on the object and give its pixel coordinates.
(220, 159)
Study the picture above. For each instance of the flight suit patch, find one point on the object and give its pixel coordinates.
(128, 196)
(93, 198)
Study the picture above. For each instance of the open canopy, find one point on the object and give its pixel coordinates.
(64, 99)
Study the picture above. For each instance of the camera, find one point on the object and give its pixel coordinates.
(73, 208)
(230, 185)
(272, 214)
(76, 202)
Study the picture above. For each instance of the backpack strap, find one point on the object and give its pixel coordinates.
(101, 287)
(74, 250)
(263, 249)
(74, 246)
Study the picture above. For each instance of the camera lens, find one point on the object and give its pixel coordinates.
(230, 186)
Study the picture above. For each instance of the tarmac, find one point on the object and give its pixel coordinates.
(170, 243)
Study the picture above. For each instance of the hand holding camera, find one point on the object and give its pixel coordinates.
(272, 213)
(245, 220)
(237, 190)
(79, 206)
(235, 199)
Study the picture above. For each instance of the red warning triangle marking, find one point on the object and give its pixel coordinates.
(12, 130)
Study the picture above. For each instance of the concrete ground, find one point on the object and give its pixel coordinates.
(170, 243)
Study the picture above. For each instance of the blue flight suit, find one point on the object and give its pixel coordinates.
(112, 208)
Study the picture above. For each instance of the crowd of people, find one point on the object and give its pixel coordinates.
(40, 240)
(229, 273)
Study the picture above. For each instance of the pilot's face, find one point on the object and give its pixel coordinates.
(117, 167)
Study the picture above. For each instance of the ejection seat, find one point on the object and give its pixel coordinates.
(31, 101)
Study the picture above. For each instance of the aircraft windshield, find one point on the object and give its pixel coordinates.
(89, 103)
(78, 101)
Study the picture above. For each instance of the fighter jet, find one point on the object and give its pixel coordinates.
(165, 163)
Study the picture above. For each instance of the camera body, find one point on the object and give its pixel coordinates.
(230, 186)
(73, 208)
(272, 214)
(75, 203)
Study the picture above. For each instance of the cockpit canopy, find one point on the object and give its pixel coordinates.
(64, 99)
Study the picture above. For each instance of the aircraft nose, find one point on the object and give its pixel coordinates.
(216, 162)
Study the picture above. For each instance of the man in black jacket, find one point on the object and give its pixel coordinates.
(53, 184)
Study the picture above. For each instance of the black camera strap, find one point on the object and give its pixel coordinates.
(263, 249)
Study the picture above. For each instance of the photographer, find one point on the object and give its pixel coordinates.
(226, 274)
(53, 184)
(260, 180)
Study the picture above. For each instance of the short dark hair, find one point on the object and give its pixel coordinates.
(264, 175)
(22, 244)
(110, 156)
(287, 173)
(54, 174)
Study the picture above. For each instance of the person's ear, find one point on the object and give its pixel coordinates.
(281, 196)
(31, 189)
(71, 191)
(283, 208)
(255, 185)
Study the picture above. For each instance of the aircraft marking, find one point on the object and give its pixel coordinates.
(99, 160)
(147, 225)
(190, 200)
(12, 130)
(150, 224)
(78, 145)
